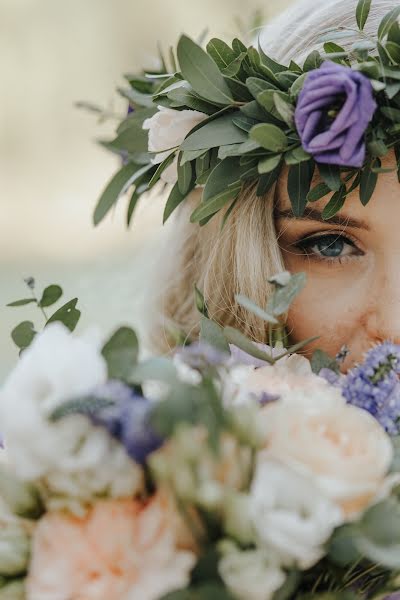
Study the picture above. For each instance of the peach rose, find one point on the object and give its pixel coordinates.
(342, 448)
(121, 550)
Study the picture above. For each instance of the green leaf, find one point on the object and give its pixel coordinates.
(298, 185)
(214, 204)
(185, 177)
(220, 52)
(212, 333)
(296, 155)
(121, 353)
(68, 315)
(21, 497)
(234, 67)
(256, 310)
(132, 139)
(22, 302)
(331, 176)
(160, 169)
(88, 405)
(224, 174)
(244, 122)
(269, 137)
(266, 182)
(50, 295)
(158, 368)
(202, 73)
(393, 50)
(318, 192)
(200, 302)
(332, 48)
(283, 296)
(362, 12)
(241, 341)
(257, 85)
(266, 165)
(391, 113)
(322, 360)
(334, 204)
(284, 108)
(297, 86)
(267, 100)
(313, 61)
(220, 132)
(137, 192)
(121, 181)
(379, 534)
(23, 334)
(387, 22)
(175, 198)
(368, 183)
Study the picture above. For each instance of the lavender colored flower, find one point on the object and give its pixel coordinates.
(200, 355)
(374, 385)
(333, 111)
(127, 419)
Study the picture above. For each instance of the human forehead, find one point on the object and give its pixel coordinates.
(387, 189)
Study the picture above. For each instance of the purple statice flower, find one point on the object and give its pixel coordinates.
(333, 111)
(200, 355)
(374, 385)
(127, 419)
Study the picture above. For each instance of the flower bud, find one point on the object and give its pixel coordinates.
(237, 521)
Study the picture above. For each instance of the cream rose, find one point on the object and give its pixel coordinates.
(341, 448)
(167, 130)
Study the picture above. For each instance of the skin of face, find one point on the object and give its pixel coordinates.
(352, 295)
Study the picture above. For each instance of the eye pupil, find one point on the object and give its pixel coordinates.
(330, 246)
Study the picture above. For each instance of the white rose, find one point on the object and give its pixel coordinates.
(290, 515)
(249, 574)
(71, 457)
(167, 130)
(342, 448)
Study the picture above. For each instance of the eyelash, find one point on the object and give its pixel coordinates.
(308, 242)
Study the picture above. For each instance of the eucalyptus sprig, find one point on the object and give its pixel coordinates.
(24, 333)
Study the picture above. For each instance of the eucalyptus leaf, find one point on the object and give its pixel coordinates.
(212, 334)
(283, 296)
(23, 334)
(121, 353)
(256, 310)
(214, 204)
(313, 61)
(322, 360)
(257, 85)
(296, 155)
(158, 368)
(269, 137)
(224, 174)
(285, 109)
(160, 169)
(391, 113)
(266, 165)
(335, 203)
(68, 314)
(236, 337)
(185, 178)
(267, 181)
(200, 70)
(22, 302)
(50, 295)
(318, 192)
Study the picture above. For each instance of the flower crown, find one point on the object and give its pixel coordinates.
(232, 116)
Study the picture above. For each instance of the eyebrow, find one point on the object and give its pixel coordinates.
(312, 214)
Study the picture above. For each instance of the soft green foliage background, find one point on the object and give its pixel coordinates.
(52, 54)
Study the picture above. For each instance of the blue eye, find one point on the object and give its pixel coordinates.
(329, 246)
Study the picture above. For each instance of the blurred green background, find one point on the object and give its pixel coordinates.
(54, 53)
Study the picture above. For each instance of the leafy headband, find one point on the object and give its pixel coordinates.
(232, 116)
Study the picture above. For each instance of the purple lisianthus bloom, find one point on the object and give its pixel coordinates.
(333, 111)
(127, 419)
(374, 385)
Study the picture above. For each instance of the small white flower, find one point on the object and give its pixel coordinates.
(290, 515)
(249, 574)
(71, 458)
(167, 130)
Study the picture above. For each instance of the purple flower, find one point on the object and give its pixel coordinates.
(127, 419)
(200, 355)
(333, 111)
(374, 385)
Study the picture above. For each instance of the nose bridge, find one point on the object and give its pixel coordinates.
(384, 322)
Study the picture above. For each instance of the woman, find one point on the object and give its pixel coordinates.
(353, 291)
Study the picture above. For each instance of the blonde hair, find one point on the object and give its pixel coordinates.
(241, 256)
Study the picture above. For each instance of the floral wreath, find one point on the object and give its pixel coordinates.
(232, 116)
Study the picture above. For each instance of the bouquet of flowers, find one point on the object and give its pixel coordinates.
(229, 470)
